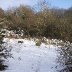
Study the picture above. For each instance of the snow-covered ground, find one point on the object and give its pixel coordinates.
(27, 57)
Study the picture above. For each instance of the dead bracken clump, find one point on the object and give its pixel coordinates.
(38, 42)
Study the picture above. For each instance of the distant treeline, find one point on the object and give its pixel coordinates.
(50, 23)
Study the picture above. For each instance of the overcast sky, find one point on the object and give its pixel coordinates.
(5, 4)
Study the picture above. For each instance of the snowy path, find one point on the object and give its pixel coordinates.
(26, 57)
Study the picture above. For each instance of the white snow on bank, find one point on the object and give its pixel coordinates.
(27, 57)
